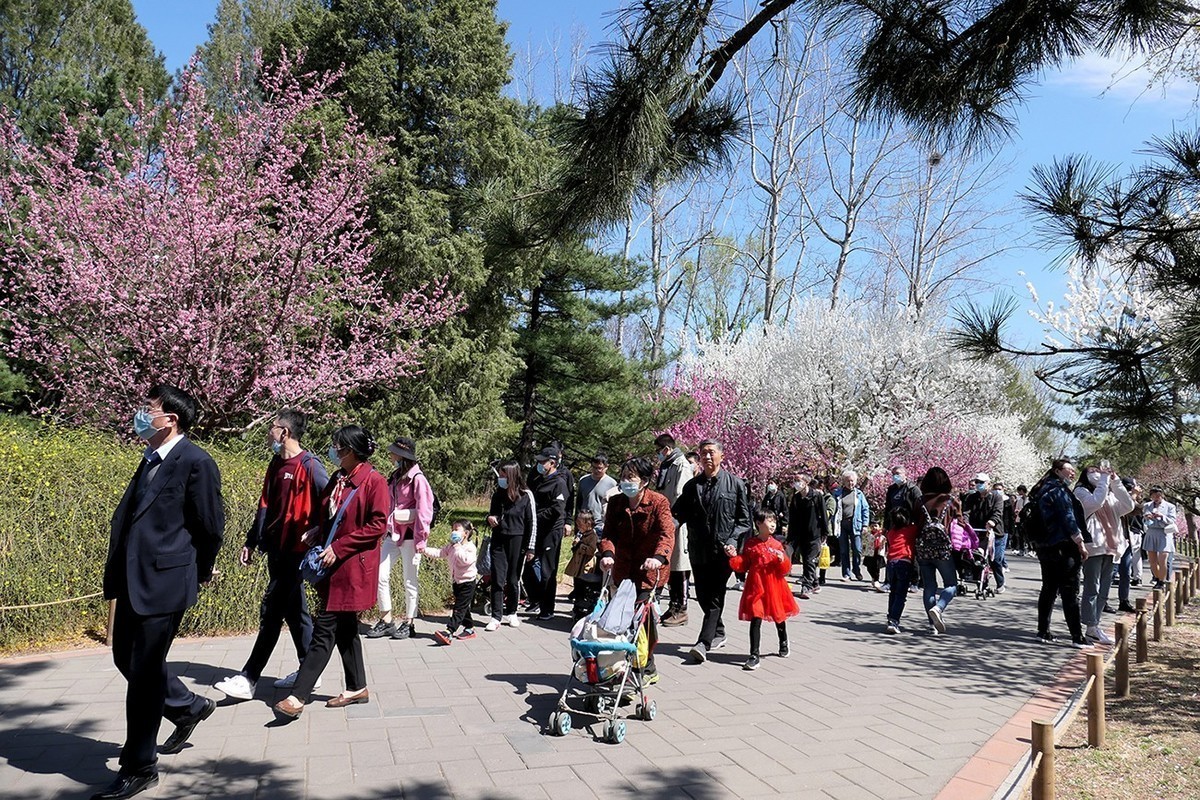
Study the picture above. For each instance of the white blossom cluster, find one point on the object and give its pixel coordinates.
(848, 387)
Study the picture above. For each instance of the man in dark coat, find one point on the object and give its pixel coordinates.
(807, 526)
(551, 491)
(164, 540)
(715, 506)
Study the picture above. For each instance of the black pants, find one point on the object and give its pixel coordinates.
(464, 595)
(332, 628)
(678, 583)
(1060, 578)
(710, 579)
(140, 645)
(507, 560)
(547, 557)
(284, 601)
(807, 551)
(874, 565)
(756, 634)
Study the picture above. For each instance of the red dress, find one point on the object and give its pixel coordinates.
(766, 594)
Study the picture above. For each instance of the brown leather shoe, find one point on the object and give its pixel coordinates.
(341, 701)
(287, 708)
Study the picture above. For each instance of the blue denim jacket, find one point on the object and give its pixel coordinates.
(1062, 513)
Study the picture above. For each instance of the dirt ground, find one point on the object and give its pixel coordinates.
(1153, 744)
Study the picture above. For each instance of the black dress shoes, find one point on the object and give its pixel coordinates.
(185, 726)
(127, 786)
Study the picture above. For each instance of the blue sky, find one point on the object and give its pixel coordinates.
(1069, 112)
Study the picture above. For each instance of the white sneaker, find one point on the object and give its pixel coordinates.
(289, 680)
(514, 620)
(493, 624)
(1096, 634)
(935, 618)
(1001, 589)
(238, 686)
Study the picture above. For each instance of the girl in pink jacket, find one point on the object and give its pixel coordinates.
(461, 555)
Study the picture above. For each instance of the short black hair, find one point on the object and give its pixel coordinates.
(355, 438)
(295, 421)
(692, 455)
(664, 440)
(643, 467)
(899, 518)
(1022, 488)
(175, 401)
(763, 514)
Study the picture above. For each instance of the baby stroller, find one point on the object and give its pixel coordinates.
(974, 568)
(586, 594)
(609, 651)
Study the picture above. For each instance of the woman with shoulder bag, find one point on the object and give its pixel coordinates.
(356, 506)
(513, 520)
(933, 547)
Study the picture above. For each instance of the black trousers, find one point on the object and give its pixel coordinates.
(507, 561)
(464, 595)
(807, 550)
(332, 628)
(677, 582)
(756, 634)
(874, 565)
(1061, 565)
(284, 601)
(710, 579)
(547, 557)
(140, 645)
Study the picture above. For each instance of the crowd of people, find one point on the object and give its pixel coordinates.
(676, 524)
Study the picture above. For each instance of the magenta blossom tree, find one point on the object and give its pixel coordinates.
(226, 252)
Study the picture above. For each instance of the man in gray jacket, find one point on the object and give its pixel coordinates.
(715, 506)
(674, 472)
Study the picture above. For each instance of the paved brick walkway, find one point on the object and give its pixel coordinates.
(853, 714)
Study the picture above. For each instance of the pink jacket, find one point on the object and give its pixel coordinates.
(461, 557)
(411, 490)
(962, 537)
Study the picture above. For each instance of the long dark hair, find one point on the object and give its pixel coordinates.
(356, 439)
(1084, 480)
(511, 470)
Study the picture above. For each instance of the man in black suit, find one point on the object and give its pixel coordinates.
(164, 540)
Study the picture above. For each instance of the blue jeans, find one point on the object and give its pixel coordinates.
(901, 572)
(999, 559)
(1097, 578)
(930, 570)
(851, 545)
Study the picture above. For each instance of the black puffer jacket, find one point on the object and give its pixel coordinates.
(722, 522)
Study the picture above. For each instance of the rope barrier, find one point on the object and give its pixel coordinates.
(52, 602)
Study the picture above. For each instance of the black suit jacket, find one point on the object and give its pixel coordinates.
(164, 544)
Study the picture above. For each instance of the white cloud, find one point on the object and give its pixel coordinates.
(1124, 78)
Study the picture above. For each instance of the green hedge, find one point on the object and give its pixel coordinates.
(60, 488)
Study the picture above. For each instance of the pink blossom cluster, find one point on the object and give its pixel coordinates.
(228, 253)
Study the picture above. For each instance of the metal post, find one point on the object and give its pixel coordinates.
(1121, 633)
(1158, 615)
(1042, 740)
(1142, 644)
(1095, 667)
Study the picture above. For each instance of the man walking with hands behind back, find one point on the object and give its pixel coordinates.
(715, 506)
(165, 536)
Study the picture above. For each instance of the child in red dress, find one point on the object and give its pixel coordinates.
(766, 595)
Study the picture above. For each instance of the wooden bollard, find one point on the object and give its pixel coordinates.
(1142, 645)
(1186, 584)
(1179, 593)
(1169, 604)
(1158, 615)
(1095, 667)
(1042, 739)
(1121, 634)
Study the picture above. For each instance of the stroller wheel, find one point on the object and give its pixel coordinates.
(560, 723)
(487, 608)
(614, 732)
(648, 711)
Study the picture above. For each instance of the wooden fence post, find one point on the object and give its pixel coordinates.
(1158, 615)
(1095, 667)
(1142, 644)
(1121, 632)
(1042, 740)
(1169, 600)
(1179, 593)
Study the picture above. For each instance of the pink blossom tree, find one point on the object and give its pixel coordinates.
(227, 252)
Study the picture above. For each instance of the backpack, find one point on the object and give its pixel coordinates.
(933, 540)
(437, 508)
(1033, 528)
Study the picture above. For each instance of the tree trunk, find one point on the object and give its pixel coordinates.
(529, 402)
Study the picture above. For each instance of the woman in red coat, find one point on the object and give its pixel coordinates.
(766, 595)
(639, 535)
(357, 502)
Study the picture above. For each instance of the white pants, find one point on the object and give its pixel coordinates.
(1135, 562)
(410, 560)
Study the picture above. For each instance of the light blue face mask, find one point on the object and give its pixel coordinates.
(629, 488)
(333, 455)
(541, 468)
(455, 537)
(897, 479)
(143, 424)
(276, 446)
(502, 483)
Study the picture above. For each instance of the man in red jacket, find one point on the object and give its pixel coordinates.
(287, 509)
